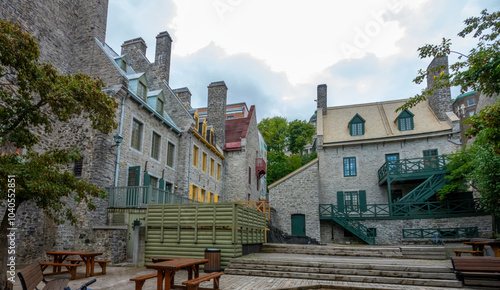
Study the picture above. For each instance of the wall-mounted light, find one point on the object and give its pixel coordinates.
(118, 139)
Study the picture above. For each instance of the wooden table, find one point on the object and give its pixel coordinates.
(167, 269)
(87, 258)
(479, 246)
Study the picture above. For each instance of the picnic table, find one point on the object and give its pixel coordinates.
(60, 256)
(479, 246)
(167, 269)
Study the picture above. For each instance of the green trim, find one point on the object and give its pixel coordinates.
(402, 123)
(446, 233)
(340, 201)
(354, 121)
(464, 95)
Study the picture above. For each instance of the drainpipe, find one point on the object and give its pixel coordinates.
(117, 167)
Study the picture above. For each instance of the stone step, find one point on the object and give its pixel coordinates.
(344, 264)
(385, 252)
(327, 269)
(429, 253)
(347, 278)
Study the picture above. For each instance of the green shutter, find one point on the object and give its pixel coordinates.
(146, 179)
(146, 190)
(340, 201)
(162, 184)
(362, 200)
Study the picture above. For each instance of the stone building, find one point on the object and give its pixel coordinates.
(166, 153)
(376, 176)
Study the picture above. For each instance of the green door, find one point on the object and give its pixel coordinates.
(298, 225)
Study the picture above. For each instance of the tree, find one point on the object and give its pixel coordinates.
(32, 95)
(300, 134)
(275, 133)
(479, 71)
(280, 136)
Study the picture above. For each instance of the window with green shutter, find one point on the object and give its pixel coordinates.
(357, 126)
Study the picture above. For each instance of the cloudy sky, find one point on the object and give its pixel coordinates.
(274, 53)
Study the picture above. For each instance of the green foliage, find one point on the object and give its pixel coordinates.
(478, 71)
(275, 133)
(300, 134)
(479, 167)
(281, 135)
(32, 96)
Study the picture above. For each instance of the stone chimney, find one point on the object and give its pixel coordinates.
(216, 113)
(184, 95)
(321, 98)
(440, 101)
(162, 55)
(130, 47)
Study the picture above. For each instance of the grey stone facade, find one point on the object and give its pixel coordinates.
(298, 194)
(216, 115)
(440, 101)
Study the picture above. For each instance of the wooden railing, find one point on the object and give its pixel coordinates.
(429, 165)
(261, 206)
(141, 196)
(446, 233)
(427, 209)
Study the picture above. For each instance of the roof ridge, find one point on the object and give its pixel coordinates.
(293, 173)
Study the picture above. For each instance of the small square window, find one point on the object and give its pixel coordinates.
(470, 102)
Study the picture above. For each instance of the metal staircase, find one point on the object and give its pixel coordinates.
(328, 211)
(424, 191)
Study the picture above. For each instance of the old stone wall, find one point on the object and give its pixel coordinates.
(440, 101)
(369, 159)
(240, 166)
(390, 232)
(298, 195)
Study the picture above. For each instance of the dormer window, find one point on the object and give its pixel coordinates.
(159, 106)
(141, 90)
(405, 121)
(123, 65)
(470, 102)
(212, 135)
(357, 126)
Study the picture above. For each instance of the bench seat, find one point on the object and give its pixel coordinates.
(70, 267)
(476, 267)
(32, 275)
(459, 253)
(140, 280)
(193, 284)
(101, 263)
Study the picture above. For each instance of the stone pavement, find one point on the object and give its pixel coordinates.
(117, 278)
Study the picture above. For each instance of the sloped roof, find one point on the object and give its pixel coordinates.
(293, 173)
(236, 129)
(381, 122)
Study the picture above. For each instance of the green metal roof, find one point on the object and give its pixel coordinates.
(464, 95)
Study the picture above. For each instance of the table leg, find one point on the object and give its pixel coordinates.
(190, 272)
(86, 260)
(92, 264)
(169, 278)
(496, 250)
(196, 270)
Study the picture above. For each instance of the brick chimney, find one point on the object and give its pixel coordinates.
(184, 95)
(440, 101)
(216, 113)
(162, 55)
(322, 98)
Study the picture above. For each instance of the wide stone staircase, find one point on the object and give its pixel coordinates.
(378, 267)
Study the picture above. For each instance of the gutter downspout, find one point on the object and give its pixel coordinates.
(117, 166)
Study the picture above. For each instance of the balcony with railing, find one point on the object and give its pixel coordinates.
(427, 209)
(141, 196)
(411, 169)
(260, 166)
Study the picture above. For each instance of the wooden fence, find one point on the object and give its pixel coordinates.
(186, 230)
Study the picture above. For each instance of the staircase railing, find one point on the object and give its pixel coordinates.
(421, 165)
(350, 224)
(424, 191)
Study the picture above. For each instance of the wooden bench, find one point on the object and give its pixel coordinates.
(70, 267)
(476, 267)
(101, 263)
(459, 253)
(193, 284)
(139, 281)
(32, 275)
